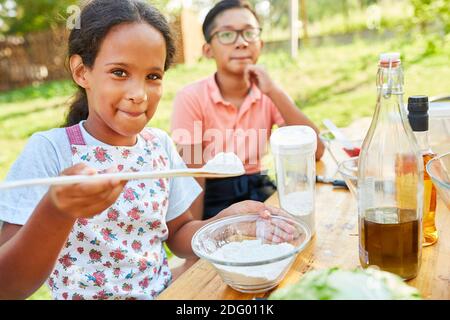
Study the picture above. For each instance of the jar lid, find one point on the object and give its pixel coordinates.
(293, 140)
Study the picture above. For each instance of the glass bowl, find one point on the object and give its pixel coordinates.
(439, 171)
(333, 145)
(349, 171)
(250, 253)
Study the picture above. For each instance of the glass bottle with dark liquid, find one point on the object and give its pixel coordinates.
(418, 119)
(390, 181)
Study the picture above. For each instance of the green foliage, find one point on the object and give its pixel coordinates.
(432, 13)
(32, 15)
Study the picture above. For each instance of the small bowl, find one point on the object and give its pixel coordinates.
(245, 253)
(439, 171)
(331, 143)
(349, 171)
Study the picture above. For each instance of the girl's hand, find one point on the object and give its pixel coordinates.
(84, 200)
(265, 228)
(258, 75)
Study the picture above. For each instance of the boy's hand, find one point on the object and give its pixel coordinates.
(258, 75)
(84, 200)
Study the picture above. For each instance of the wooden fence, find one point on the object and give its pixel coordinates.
(41, 56)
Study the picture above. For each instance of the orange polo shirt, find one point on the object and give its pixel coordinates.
(202, 116)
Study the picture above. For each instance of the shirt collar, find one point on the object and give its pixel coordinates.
(254, 95)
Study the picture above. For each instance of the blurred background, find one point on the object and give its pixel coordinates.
(323, 52)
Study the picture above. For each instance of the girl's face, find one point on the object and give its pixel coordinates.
(234, 57)
(124, 85)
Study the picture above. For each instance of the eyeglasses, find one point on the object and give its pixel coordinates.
(230, 36)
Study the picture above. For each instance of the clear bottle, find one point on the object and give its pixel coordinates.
(418, 119)
(390, 181)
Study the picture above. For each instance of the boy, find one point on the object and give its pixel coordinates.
(232, 110)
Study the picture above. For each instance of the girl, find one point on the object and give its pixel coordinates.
(103, 240)
(232, 110)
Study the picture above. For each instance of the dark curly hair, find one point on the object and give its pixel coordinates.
(97, 18)
(220, 7)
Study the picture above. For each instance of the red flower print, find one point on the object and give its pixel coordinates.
(65, 295)
(127, 287)
(141, 185)
(162, 184)
(130, 195)
(125, 153)
(80, 250)
(98, 278)
(120, 167)
(65, 281)
(117, 272)
(144, 283)
(117, 254)
(81, 236)
(136, 245)
(108, 235)
(135, 213)
(129, 229)
(154, 224)
(77, 296)
(125, 242)
(83, 221)
(164, 204)
(143, 264)
(101, 155)
(153, 240)
(107, 264)
(67, 261)
(95, 255)
(155, 205)
(113, 214)
(56, 273)
(121, 224)
(102, 295)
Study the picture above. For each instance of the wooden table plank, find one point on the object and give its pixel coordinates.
(335, 244)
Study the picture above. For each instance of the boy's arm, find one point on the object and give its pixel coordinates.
(293, 116)
(285, 105)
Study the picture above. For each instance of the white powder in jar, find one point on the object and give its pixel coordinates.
(249, 251)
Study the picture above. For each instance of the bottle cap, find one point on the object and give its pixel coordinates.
(389, 56)
(293, 140)
(418, 113)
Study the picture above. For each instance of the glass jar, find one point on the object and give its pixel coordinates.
(294, 148)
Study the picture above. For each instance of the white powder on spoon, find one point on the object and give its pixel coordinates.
(226, 163)
(250, 251)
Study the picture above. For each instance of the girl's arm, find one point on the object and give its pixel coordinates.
(28, 257)
(30, 253)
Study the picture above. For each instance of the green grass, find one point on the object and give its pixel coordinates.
(331, 81)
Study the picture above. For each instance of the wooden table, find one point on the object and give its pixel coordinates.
(335, 244)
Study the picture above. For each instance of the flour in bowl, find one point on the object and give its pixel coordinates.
(250, 251)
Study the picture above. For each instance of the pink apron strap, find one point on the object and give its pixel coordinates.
(75, 135)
